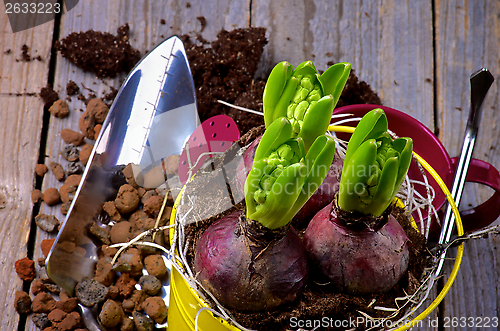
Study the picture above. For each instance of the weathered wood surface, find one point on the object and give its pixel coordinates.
(399, 66)
(20, 133)
(467, 38)
(389, 43)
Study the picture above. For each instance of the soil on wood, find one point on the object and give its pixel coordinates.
(72, 88)
(48, 95)
(25, 55)
(104, 54)
(226, 71)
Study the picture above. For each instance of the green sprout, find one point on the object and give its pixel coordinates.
(374, 167)
(283, 176)
(304, 97)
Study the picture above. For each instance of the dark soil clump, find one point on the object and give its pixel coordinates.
(25, 53)
(48, 95)
(102, 53)
(72, 88)
(226, 71)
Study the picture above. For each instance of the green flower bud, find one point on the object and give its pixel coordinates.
(383, 162)
(260, 196)
(278, 171)
(307, 84)
(290, 111)
(282, 174)
(294, 93)
(301, 109)
(267, 182)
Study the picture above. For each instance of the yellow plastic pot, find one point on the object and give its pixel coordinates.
(186, 305)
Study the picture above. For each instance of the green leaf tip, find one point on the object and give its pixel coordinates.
(283, 176)
(304, 97)
(375, 166)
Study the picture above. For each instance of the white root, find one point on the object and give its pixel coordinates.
(241, 108)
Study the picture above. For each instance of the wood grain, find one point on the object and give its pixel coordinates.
(20, 132)
(467, 35)
(389, 43)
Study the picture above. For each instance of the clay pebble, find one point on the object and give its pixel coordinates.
(98, 109)
(111, 314)
(67, 305)
(57, 171)
(121, 232)
(155, 265)
(25, 269)
(110, 208)
(86, 125)
(125, 285)
(46, 246)
(150, 284)
(155, 308)
(41, 169)
(37, 286)
(41, 320)
(43, 302)
(127, 199)
(22, 302)
(74, 168)
(51, 196)
(90, 292)
(70, 152)
(59, 109)
(104, 273)
(48, 223)
(36, 195)
(72, 137)
(133, 259)
(85, 152)
(143, 322)
(100, 233)
(69, 188)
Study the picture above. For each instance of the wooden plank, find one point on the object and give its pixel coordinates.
(20, 128)
(399, 66)
(467, 35)
(146, 31)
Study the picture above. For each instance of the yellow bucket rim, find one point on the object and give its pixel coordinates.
(458, 222)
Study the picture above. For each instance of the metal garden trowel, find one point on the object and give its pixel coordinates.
(152, 116)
